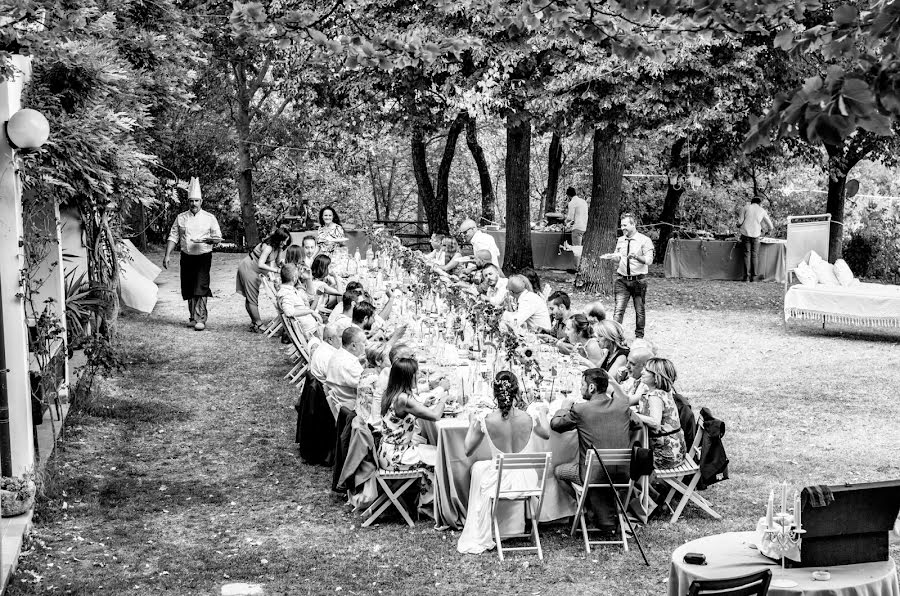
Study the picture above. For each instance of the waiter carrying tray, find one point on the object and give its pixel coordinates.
(195, 232)
(634, 251)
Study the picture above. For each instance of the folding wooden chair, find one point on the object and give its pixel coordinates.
(505, 462)
(402, 480)
(273, 326)
(300, 349)
(611, 457)
(684, 478)
(753, 584)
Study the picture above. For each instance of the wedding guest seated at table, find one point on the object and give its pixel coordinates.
(531, 311)
(595, 312)
(657, 410)
(344, 368)
(436, 241)
(559, 305)
(611, 336)
(368, 401)
(293, 255)
(581, 342)
(455, 261)
(602, 422)
(507, 429)
(537, 285)
(493, 286)
(343, 311)
(322, 350)
(473, 271)
(310, 249)
(400, 447)
(293, 302)
(631, 373)
(326, 285)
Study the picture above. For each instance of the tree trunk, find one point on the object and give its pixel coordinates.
(670, 203)
(437, 217)
(484, 174)
(608, 164)
(554, 165)
(518, 195)
(437, 224)
(244, 177)
(837, 192)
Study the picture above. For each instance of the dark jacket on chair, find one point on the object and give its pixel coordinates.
(713, 459)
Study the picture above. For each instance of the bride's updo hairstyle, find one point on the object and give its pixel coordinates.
(506, 392)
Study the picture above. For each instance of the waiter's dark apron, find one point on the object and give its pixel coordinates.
(195, 275)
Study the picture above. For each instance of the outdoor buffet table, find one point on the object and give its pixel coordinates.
(722, 259)
(544, 249)
(731, 555)
(355, 239)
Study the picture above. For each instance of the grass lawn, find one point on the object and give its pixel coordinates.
(185, 476)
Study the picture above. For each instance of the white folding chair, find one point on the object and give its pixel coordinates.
(611, 457)
(266, 287)
(684, 478)
(300, 349)
(401, 480)
(506, 462)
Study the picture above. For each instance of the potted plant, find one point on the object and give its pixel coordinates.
(17, 494)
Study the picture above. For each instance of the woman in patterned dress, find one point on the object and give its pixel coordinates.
(400, 449)
(657, 409)
(330, 233)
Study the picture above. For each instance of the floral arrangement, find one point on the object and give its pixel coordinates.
(426, 285)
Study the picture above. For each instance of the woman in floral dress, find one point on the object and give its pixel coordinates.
(657, 409)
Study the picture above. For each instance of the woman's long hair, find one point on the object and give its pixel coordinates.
(320, 266)
(506, 392)
(611, 334)
(535, 279)
(582, 326)
(402, 379)
(294, 254)
(336, 219)
(278, 238)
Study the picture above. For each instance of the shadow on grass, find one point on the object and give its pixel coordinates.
(130, 411)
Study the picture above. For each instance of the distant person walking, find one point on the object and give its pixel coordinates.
(195, 232)
(752, 220)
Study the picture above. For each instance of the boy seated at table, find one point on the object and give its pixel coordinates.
(293, 302)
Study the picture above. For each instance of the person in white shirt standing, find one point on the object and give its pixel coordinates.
(479, 240)
(751, 220)
(195, 232)
(635, 253)
(576, 217)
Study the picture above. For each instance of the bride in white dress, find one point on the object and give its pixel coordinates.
(507, 429)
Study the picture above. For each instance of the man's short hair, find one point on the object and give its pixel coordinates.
(571, 191)
(289, 273)
(518, 283)
(350, 335)
(349, 297)
(597, 377)
(628, 216)
(331, 331)
(485, 255)
(353, 285)
(362, 311)
(490, 266)
(559, 297)
(309, 237)
(757, 199)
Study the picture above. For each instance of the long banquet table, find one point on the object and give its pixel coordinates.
(721, 259)
(732, 555)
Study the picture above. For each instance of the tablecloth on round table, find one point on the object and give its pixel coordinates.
(453, 471)
(721, 259)
(730, 555)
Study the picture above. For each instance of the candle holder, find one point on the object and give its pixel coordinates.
(784, 537)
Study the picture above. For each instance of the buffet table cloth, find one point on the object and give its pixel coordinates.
(865, 305)
(452, 471)
(544, 249)
(721, 259)
(355, 239)
(731, 555)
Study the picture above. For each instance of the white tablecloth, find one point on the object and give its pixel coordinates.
(865, 305)
(731, 555)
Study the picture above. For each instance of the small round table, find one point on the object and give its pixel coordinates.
(731, 555)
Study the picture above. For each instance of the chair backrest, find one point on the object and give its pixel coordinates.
(505, 462)
(297, 337)
(754, 584)
(695, 448)
(610, 457)
(269, 289)
(806, 233)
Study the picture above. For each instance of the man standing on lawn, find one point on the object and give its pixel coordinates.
(635, 253)
(576, 217)
(195, 232)
(753, 221)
